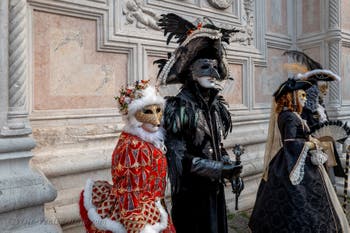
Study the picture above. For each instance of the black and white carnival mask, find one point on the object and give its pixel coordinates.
(205, 72)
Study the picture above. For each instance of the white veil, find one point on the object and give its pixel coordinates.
(273, 143)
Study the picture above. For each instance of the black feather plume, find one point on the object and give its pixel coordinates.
(161, 63)
(302, 58)
(175, 26)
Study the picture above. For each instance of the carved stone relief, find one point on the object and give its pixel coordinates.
(245, 35)
(135, 11)
(220, 4)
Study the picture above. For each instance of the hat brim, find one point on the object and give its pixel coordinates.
(204, 43)
(319, 75)
(291, 85)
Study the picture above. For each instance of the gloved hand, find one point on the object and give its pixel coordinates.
(226, 159)
(230, 171)
(237, 185)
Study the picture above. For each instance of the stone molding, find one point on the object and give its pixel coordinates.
(220, 4)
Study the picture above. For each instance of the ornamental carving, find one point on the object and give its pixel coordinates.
(220, 4)
(245, 35)
(135, 11)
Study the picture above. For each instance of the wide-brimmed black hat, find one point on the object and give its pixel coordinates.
(291, 85)
(195, 41)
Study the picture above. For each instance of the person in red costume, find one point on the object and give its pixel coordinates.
(135, 201)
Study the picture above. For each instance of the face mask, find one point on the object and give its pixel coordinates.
(302, 97)
(205, 72)
(150, 116)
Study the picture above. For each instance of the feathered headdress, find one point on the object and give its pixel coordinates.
(203, 40)
(305, 68)
(136, 96)
(308, 69)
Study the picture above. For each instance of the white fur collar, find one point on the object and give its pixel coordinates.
(156, 138)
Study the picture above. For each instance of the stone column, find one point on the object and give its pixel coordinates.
(23, 190)
(334, 43)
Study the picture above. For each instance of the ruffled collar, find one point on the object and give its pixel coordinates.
(156, 138)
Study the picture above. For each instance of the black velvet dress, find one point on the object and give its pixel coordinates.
(294, 198)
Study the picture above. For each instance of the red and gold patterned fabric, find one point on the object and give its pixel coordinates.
(139, 180)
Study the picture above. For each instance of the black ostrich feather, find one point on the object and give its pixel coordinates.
(302, 58)
(224, 115)
(160, 63)
(175, 26)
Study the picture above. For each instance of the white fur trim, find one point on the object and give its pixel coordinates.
(156, 138)
(160, 226)
(115, 226)
(95, 218)
(149, 96)
(308, 74)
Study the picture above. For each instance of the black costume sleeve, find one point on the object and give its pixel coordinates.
(295, 148)
(179, 120)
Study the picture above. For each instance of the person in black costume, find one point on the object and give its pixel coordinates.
(295, 194)
(314, 111)
(196, 121)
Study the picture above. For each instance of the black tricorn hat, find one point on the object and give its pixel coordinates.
(195, 41)
(291, 85)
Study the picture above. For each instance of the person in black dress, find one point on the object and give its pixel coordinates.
(295, 194)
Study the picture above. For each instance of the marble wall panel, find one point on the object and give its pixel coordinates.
(311, 16)
(345, 73)
(68, 71)
(277, 16)
(267, 79)
(345, 16)
(233, 89)
(152, 69)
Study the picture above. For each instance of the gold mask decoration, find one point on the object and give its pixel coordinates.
(150, 116)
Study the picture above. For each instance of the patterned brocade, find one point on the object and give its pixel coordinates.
(139, 179)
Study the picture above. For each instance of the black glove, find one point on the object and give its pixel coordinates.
(230, 171)
(226, 159)
(237, 185)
